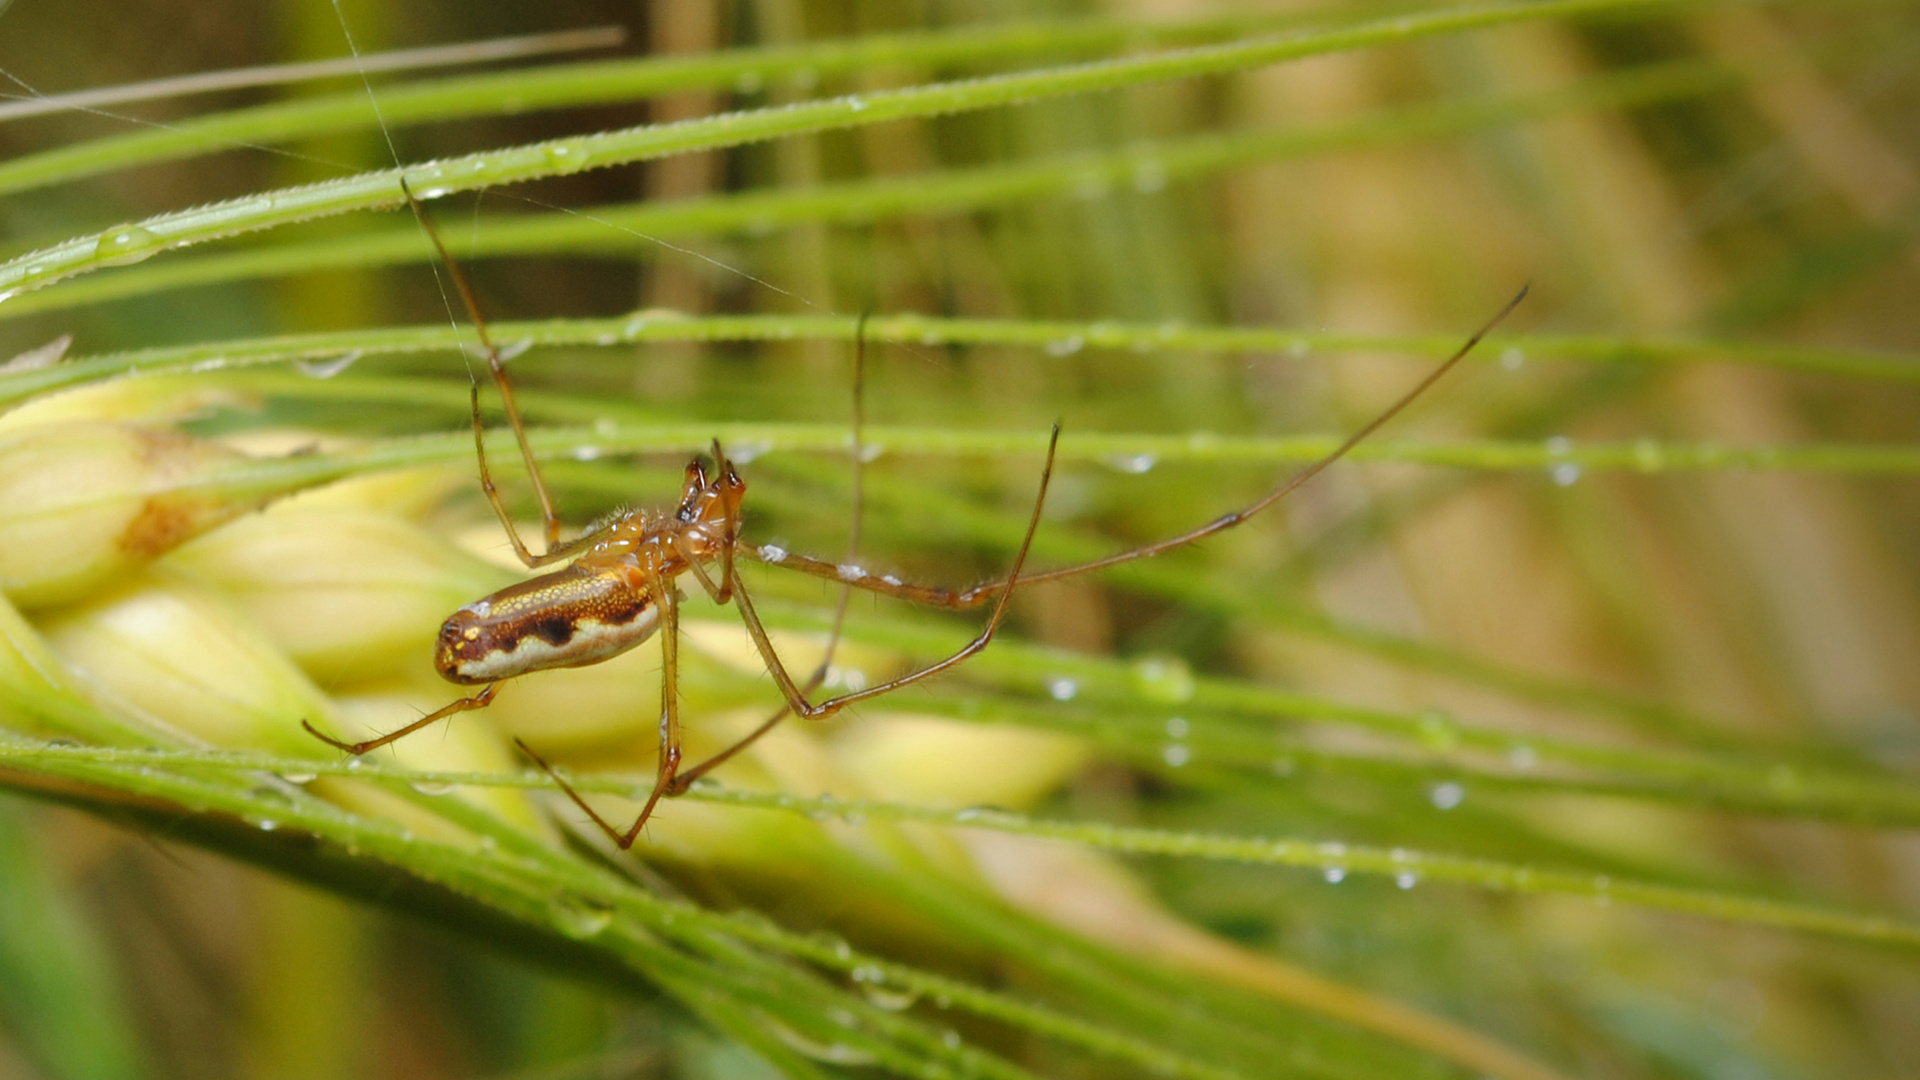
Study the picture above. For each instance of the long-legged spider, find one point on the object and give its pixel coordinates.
(620, 586)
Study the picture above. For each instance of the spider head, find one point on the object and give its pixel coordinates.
(715, 496)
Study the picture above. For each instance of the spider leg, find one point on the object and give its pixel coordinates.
(797, 700)
(930, 596)
(502, 380)
(688, 777)
(478, 701)
(663, 783)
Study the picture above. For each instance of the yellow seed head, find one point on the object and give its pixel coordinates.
(349, 593)
(84, 502)
(171, 650)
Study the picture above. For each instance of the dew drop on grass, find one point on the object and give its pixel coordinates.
(1438, 732)
(1165, 679)
(1131, 463)
(1176, 755)
(836, 1053)
(327, 368)
(1446, 795)
(1066, 346)
(1334, 874)
(1062, 689)
(126, 244)
(578, 916)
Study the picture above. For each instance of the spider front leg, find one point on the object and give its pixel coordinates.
(478, 701)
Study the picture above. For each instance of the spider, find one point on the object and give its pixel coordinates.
(618, 587)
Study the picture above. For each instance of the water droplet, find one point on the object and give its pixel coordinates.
(1131, 463)
(849, 572)
(950, 1039)
(874, 987)
(852, 679)
(1166, 679)
(579, 916)
(1522, 756)
(1406, 880)
(773, 553)
(1177, 727)
(1334, 874)
(836, 1053)
(292, 777)
(1438, 732)
(1062, 689)
(433, 787)
(1092, 185)
(747, 452)
(126, 244)
(1066, 346)
(1559, 444)
(328, 368)
(586, 453)
(1176, 755)
(1513, 359)
(856, 103)
(1565, 474)
(971, 813)
(1149, 176)
(430, 193)
(562, 156)
(266, 824)
(870, 452)
(1446, 795)
(35, 359)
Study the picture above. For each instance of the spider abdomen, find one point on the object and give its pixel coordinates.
(568, 618)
